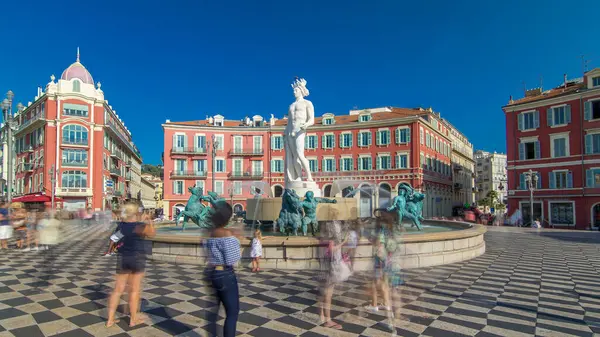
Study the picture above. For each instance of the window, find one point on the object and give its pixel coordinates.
(76, 86)
(199, 183)
(559, 116)
(74, 157)
(237, 144)
(365, 118)
(346, 164)
(237, 187)
(311, 141)
(529, 120)
(383, 137)
(402, 136)
(561, 179)
(257, 144)
(257, 167)
(365, 163)
(201, 142)
(384, 162)
(559, 147)
(428, 140)
(237, 166)
(592, 143)
(591, 110)
(328, 165)
(200, 165)
(74, 179)
(529, 150)
(346, 140)
(105, 141)
(220, 139)
(313, 165)
(592, 177)
(220, 165)
(75, 135)
(328, 121)
(402, 161)
(562, 213)
(178, 187)
(277, 143)
(596, 81)
(277, 165)
(179, 141)
(422, 161)
(219, 187)
(523, 185)
(180, 165)
(328, 141)
(75, 110)
(422, 134)
(364, 138)
(429, 164)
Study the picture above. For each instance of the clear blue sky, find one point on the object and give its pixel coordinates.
(182, 60)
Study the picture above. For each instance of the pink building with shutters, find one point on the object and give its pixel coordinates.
(556, 134)
(378, 147)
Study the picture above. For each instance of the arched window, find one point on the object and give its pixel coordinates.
(74, 179)
(278, 191)
(76, 86)
(75, 135)
(327, 191)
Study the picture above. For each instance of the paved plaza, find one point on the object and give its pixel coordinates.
(528, 283)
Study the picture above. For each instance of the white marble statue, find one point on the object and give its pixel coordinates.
(301, 115)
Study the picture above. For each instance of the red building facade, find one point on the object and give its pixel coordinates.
(372, 149)
(71, 130)
(556, 134)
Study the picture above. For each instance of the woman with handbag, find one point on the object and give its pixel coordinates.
(131, 262)
(334, 270)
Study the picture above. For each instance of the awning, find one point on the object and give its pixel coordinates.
(36, 198)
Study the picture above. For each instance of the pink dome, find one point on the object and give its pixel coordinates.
(77, 70)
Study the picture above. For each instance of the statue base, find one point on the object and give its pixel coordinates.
(301, 187)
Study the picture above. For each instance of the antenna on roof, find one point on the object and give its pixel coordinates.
(541, 83)
(584, 63)
(77, 54)
(524, 88)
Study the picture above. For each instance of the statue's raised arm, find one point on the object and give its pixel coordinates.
(326, 201)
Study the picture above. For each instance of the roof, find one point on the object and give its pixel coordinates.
(339, 119)
(77, 70)
(556, 92)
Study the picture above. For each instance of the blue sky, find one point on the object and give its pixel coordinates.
(183, 60)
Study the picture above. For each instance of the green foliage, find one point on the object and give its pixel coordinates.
(155, 170)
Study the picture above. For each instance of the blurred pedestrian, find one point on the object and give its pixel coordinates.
(352, 243)
(6, 230)
(334, 270)
(223, 250)
(256, 252)
(18, 218)
(32, 235)
(49, 231)
(131, 263)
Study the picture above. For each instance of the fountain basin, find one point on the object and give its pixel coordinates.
(267, 209)
(462, 242)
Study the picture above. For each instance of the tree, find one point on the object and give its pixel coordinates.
(155, 170)
(490, 200)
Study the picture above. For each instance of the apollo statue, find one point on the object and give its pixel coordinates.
(301, 115)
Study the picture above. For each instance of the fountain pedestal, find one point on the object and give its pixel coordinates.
(301, 187)
(268, 209)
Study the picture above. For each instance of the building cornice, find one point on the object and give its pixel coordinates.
(587, 93)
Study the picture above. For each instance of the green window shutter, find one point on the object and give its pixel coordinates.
(341, 140)
(397, 136)
(324, 165)
(568, 113)
(569, 179)
(537, 150)
(379, 163)
(174, 141)
(587, 111)
(552, 182)
(378, 137)
(521, 181)
(351, 139)
(333, 164)
(549, 116)
(588, 144)
(333, 141)
(408, 135)
(370, 138)
(520, 121)
(589, 178)
(536, 119)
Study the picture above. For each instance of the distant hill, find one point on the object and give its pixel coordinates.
(155, 170)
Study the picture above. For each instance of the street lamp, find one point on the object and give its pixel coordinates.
(230, 190)
(9, 124)
(531, 178)
(213, 144)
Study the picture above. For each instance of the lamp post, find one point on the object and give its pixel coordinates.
(230, 191)
(531, 178)
(213, 144)
(9, 124)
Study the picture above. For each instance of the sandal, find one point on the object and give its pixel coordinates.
(332, 325)
(110, 324)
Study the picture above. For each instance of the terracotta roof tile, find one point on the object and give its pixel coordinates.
(550, 93)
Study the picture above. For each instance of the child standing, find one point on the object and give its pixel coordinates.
(256, 252)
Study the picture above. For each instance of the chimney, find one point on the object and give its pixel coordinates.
(565, 80)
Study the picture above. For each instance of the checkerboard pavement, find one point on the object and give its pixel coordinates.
(526, 284)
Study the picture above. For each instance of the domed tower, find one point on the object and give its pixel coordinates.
(77, 79)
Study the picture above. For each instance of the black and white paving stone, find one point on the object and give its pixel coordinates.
(528, 283)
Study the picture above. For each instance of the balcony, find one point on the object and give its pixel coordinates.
(115, 172)
(40, 117)
(198, 151)
(128, 176)
(123, 139)
(458, 186)
(246, 175)
(74, 192)
(185, 174)
(74, 163)
(27, 167)
(246, 152)
(71, 141)
(116, 155)
(29, 149)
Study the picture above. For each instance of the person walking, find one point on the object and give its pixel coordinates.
(223, 251)
(256, 252)
(6, 230)
(32, 234)
(18, 217)
(131, 263)
(49, 230)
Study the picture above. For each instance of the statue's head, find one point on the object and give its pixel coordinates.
(212, 194)
(300, 89)
(195, 190)
(309, 195)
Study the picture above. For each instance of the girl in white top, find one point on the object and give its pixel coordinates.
(256, 252)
